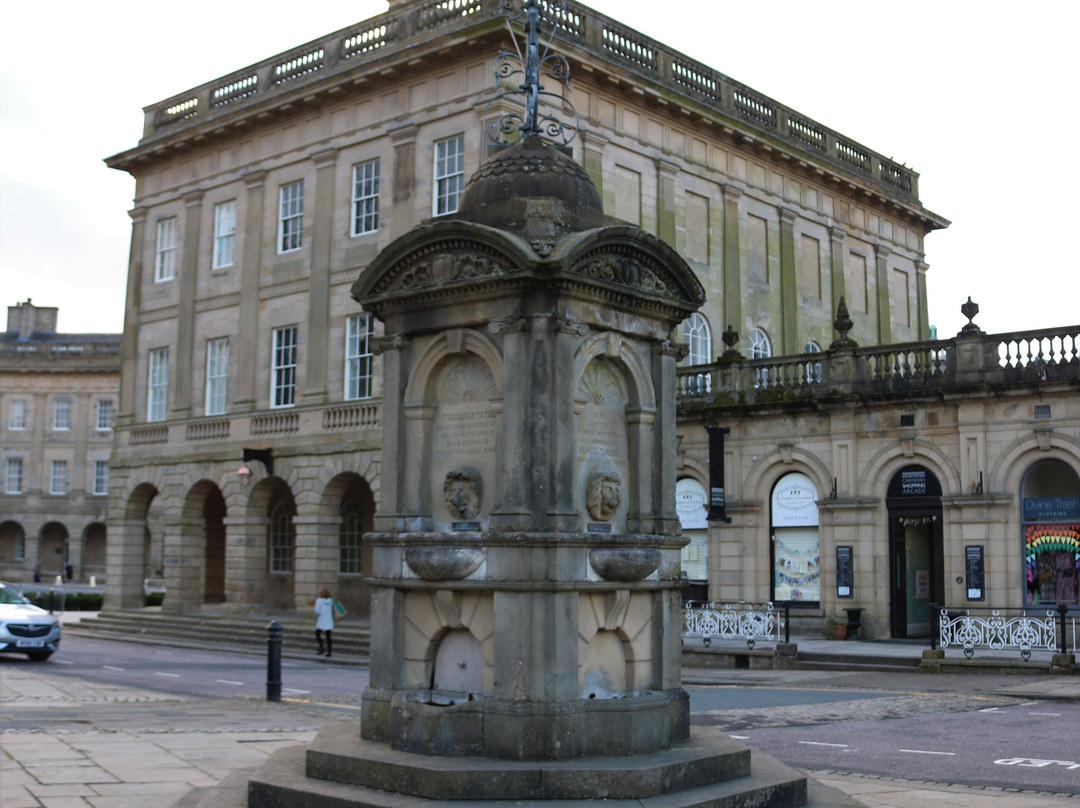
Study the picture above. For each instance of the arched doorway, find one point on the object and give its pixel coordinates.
(93, 562)
(916, 550)
(1050, 497)
(53, 550)
(12, 546)
(357, 512)
(214, 550)
(796, 543)
(280, 549)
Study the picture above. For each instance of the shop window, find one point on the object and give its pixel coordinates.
(1050, 495)
(796, 545)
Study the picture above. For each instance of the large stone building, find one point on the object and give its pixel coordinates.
(262, 195)
(58, 398)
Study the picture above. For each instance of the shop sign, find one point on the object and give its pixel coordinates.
(1044, 509)
(794, 502)
(690, 507)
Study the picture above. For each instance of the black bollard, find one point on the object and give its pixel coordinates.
(273, 661)
(1063, 643)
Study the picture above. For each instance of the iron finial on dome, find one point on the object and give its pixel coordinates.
(537, 61)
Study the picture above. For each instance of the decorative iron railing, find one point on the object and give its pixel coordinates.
(394, 35)
(998, 630)
(730, 621)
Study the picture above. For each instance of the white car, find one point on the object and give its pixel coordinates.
(26, 628)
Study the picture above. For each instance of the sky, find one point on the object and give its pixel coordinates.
(971, 95)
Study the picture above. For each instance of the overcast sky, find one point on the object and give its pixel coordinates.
(978, 97)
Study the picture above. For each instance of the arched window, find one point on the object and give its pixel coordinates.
(1050, 494)
(760, 349)
(813, 369)
(349, 539)
(696, 334)
(281, 538)
(695, 331)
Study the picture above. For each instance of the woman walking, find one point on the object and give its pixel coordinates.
(324, 621)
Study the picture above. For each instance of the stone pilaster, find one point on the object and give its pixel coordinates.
(665, 200)
(789, 285)
(129, 347)
(391, 471)
(318, 553)
(513, 513)
(250, 267)
(180, 376)
(318, 327)
(184, 562)
(592, 158)
(732, 259)
(246, 562)
(921, 301)
(401, 215)
(884, 305)
(837, 238)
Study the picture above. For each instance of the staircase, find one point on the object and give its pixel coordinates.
(352, 637)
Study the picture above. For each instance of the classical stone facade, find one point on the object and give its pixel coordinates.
(892, 477)
(58, 397)
(262, 196)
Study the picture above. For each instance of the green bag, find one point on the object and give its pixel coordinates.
(339, 610)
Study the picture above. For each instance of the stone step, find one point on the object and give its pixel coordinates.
(338, 754)
(282, 783)
(351, 642)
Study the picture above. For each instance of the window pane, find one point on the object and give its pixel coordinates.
(101, 477)
(358, 356)
(165, 260)
(281, 539)
(449, 174)
(17, 415)
(349, 539)
(224, 233)
(217, 375)
(106, 416)
(58, 478)
(292, 216)
(157, 384)
(366, 198)
(62, 414)
(283, 376)
(13, 478)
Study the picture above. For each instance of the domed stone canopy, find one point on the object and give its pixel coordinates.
(530, 169)
(533, 190)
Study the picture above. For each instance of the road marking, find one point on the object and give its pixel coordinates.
(1036, 763)
(64, 662)
(111, 668)
(927, 752)
(740, 737)
(1028, 703)
(170, 675)
(228, 682)
(991, 710)
(1052, 715)
(819, 743)
(294, 690)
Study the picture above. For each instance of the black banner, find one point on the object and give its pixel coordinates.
(717, 499)
(973, 556)
(845, 572)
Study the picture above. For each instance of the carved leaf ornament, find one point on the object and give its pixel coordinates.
(450, 267)
(630, 272)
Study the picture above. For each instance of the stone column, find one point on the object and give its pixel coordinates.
(884, 305)
(665, 200)
(318, 556)
(75, 551)
(513, 512)
(732, 260)
(184, 562)
(789, 284)
(837, 237)
(246, 563)
(82, 478)
(921, 301)
(318, 327)
(391, 473)
(401, 215)
(250, 267)
(124, 563)
(181, 380)
(129, 356)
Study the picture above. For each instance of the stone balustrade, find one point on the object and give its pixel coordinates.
(669, 76)
(362, 415)
(967, 361)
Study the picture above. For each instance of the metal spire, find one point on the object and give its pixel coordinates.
(535, 63)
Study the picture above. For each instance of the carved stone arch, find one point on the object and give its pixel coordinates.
(142, 494)
(771, 468)
(610, 345)
(693, 468)
(424, 370)
(262, 493)
(195, 498)
(1011, 465)
(881, 468)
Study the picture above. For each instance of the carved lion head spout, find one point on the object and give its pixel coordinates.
(463, 489)
(602, 497)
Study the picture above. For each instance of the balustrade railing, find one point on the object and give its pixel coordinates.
(356, 416)
(1001, 629)
(582, 27)
(207, 430)
(730, 621)
(143, 435)
(275, 423)
(931, 365)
